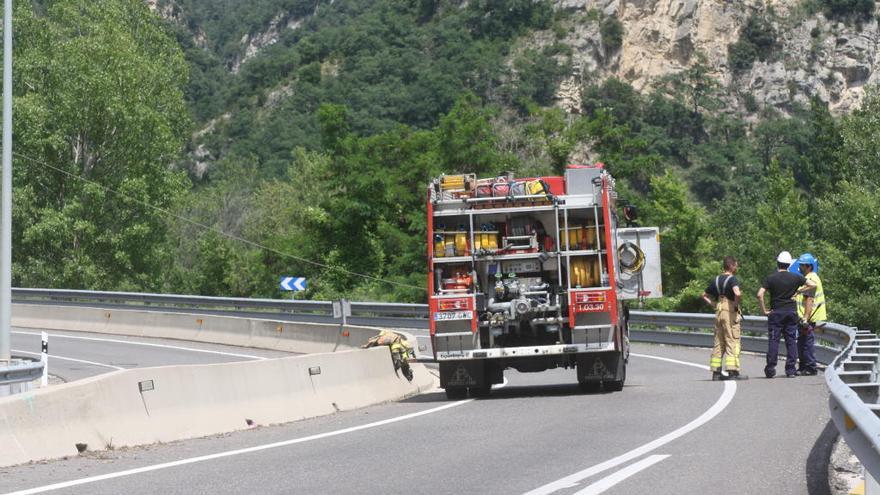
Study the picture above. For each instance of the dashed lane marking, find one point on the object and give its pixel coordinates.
(613, 479)
(574, 479)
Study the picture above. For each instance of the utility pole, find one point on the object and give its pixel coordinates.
(6, 193)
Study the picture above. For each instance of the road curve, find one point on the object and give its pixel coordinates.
(539, 434)
(77, 355)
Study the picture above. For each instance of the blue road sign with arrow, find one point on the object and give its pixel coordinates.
(293, 283)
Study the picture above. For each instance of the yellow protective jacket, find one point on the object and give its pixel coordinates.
(820, 312)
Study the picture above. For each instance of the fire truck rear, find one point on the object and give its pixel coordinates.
(534, 274)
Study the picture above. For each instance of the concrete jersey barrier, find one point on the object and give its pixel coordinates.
(148, 405)
(245, 332)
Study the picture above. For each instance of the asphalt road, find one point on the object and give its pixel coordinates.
(671, 431)
(77, 355)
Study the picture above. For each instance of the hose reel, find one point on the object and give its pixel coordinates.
(631, 257)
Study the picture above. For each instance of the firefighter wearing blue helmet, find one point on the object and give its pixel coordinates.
(812, 313)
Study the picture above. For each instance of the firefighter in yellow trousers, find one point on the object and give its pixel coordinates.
(724, 295)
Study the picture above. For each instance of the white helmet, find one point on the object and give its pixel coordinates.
(785, 258)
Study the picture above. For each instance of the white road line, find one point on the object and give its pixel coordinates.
(146, 344)
(53, 356)
(720, 405)
(230, 453)
(613, 479)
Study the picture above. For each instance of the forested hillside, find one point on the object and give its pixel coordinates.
(294, 137)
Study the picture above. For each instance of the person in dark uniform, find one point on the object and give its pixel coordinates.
(782, 319)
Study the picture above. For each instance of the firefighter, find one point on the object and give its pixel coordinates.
(812, 314)
(724, 290)
(401, 350)
(782, 319)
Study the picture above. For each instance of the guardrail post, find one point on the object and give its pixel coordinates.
(341, 309)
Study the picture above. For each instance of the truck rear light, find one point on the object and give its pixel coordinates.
(590, 297)
(452, 304)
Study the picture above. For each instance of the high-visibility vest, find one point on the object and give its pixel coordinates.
(819, 308)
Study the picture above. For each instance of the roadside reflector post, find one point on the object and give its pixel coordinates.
(342, 309)
(44, 358)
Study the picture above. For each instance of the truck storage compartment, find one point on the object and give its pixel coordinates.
(593, 329)
(638, 253)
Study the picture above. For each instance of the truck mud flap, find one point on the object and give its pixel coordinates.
(462, 374)
(600, 367)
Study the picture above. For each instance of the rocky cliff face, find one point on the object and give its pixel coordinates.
(816, 56)
(254, 42)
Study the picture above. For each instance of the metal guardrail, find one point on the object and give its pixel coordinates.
(754, 325)
(395, 315)
(16, 375)
(233, 303)
(851, 376)
(21, 370)
(854, 392)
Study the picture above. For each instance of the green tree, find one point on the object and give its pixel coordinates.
(538, 74)
(860, 136)
(695, 87)
(208, 258)
(628, 155)
(467, 141)
(557, 133)
(757, 223)
(682, 223)
(757, 41)
(846, 223)
(100, 107)
(611, 31)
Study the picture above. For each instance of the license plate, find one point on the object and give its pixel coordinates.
(454, 315)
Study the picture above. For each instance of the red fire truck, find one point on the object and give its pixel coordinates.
(534, 274)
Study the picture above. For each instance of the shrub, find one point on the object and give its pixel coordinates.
(756, 42)
(612, 34)
(849, 8)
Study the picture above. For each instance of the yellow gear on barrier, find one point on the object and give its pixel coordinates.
(391, 339)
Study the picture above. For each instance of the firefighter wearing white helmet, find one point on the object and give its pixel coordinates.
(782, 319)
(812, 313)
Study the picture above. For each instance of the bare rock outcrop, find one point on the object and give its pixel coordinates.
(815, 56)
(254, 42)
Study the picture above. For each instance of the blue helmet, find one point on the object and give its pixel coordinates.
(805, 259)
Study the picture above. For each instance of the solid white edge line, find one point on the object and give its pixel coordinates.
(192, 460)
(147, 344)
(573, 479)
(219, 455)
(613, 479)
(53, 356)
